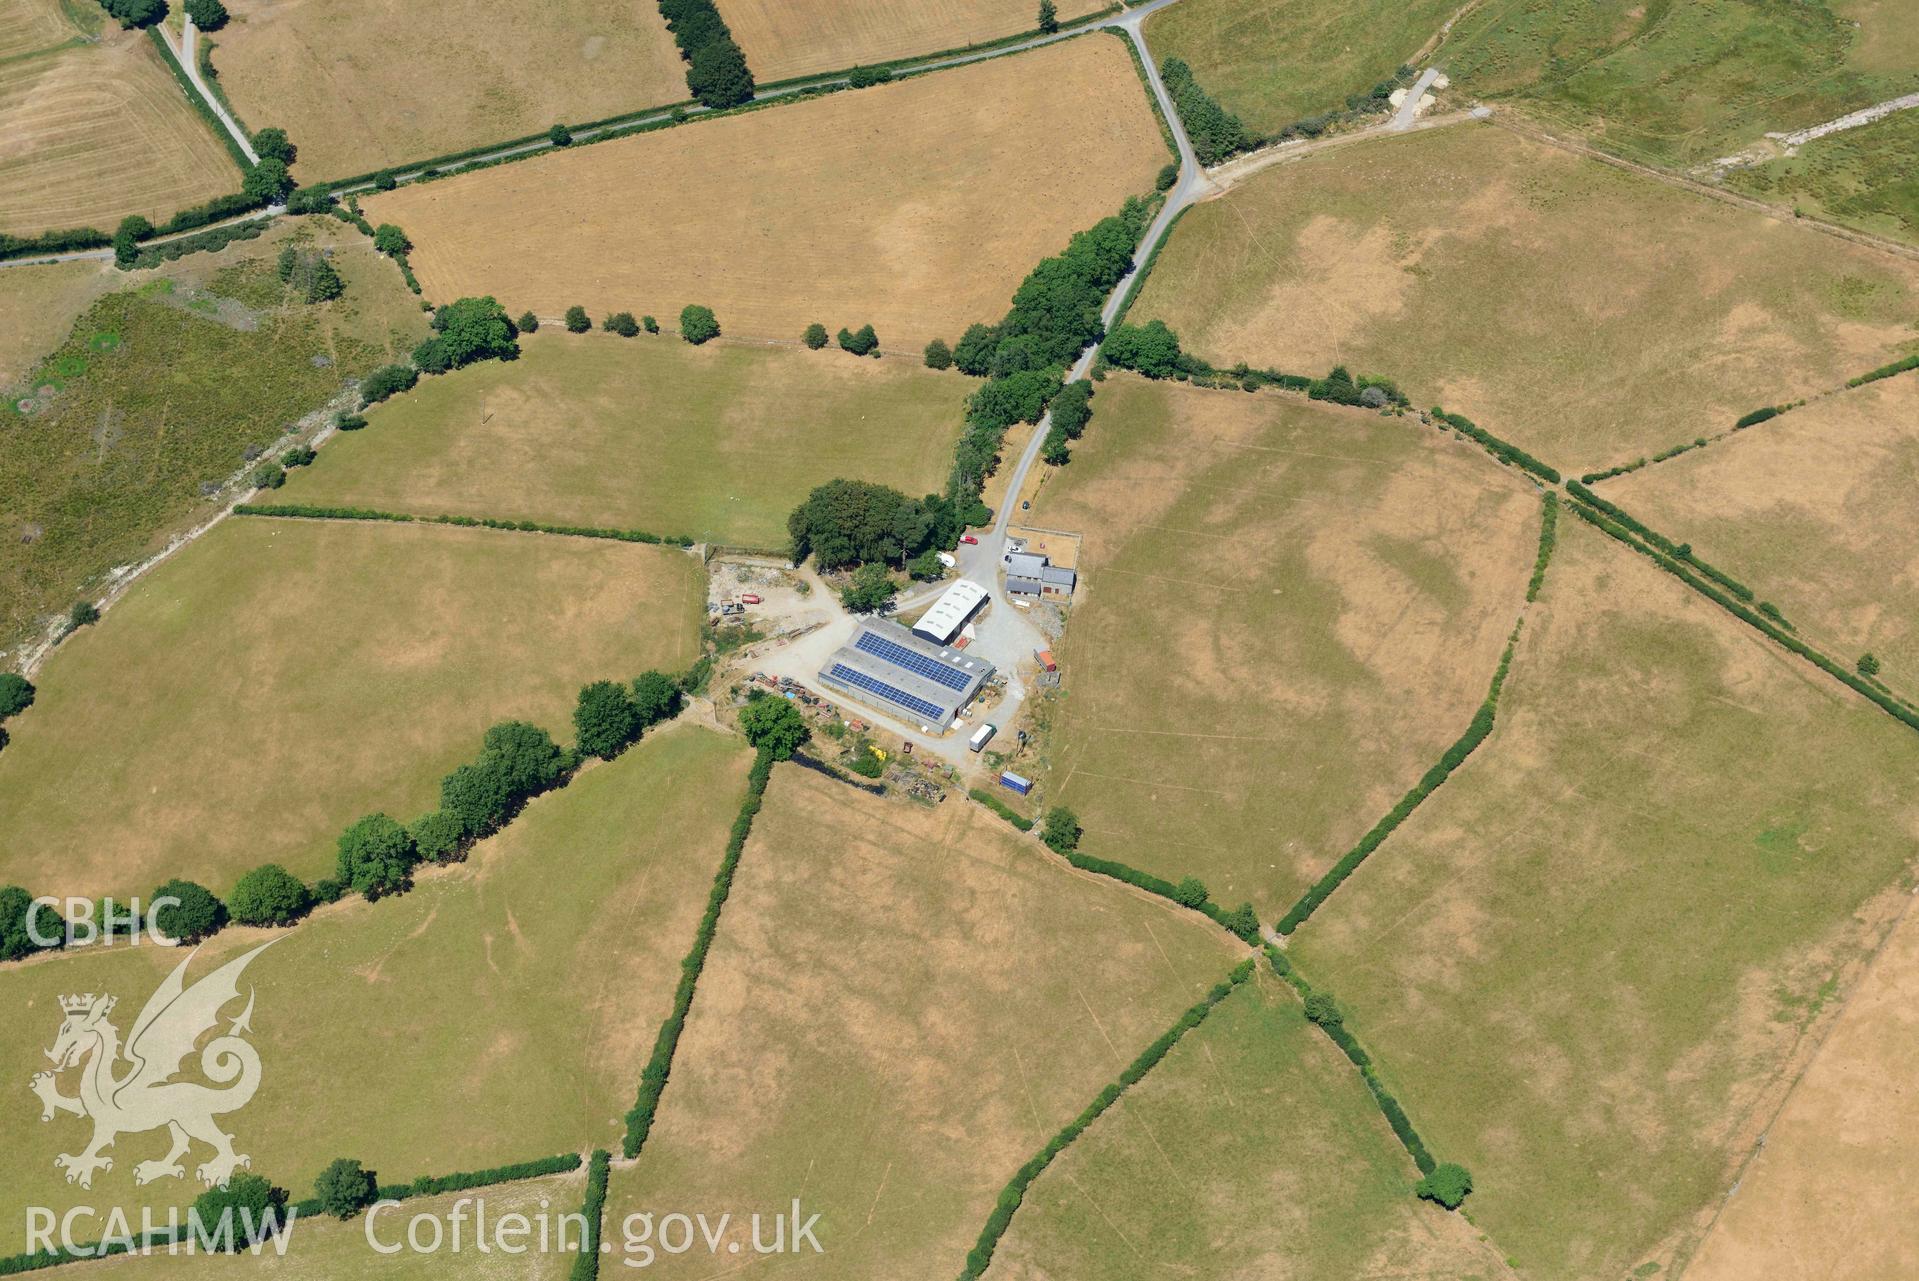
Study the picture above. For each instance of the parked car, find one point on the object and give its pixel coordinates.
(968, 538)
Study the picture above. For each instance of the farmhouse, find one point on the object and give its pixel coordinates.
(950, 612)
(887, 667)
(1031, 574)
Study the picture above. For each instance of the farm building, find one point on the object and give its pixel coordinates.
(887, 667)
(950, 612)
(1028, 574)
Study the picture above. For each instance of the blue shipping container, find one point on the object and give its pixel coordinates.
(1014, 781)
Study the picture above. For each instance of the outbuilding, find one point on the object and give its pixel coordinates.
(950, 612)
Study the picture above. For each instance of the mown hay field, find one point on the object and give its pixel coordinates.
(1590, 961)
(1682, 84)
(92, 132)
(1590, 315)
(139, 402)
(900, 1009)
(498, 1012)
(1252, 1150)
(1807, 510)
(1273, 62)
(916, 207)
(280, 678)
(29, 27)
(1287, 613)
(367, 84)
(718, 442)
(1839, 1155)
(784, 39)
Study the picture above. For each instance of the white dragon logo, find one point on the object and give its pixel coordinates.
(145, 1097)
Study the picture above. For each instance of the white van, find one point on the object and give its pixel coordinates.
(981, 737)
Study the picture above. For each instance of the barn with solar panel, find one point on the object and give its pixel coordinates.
(909, 678)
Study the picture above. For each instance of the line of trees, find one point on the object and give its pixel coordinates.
(1215, 132)
(845, 523)
(716, 71)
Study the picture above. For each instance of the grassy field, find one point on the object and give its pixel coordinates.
(1252, 1150)
(717, 442)
(1588, 962)
(1589, 315)
(901, 1006)
(38, 306)
(1275, 61)
(916, 207)
(1862, 177)
(363, 84)
(1681, 84)
(1838, 1152)
(783, 39)
(92, 132)
(1804, 510)
(158, 390)
(499, 1012)
(1357, 578)
(325, 1249)
(278, 679)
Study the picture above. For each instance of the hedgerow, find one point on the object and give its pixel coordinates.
(639, 1121)
(1507, 453)
(199, 104)
(77, 239)
(309, 511)
(586, 1264)
(1884, 371)
(1758, 416)
(1002, 809)
(1548, 537)
(981, 1255)
(211, 241)
(1450, 760)
(1679, 551)
(1594, 513)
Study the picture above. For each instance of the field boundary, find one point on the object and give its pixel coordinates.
(308, 511)
(425, 1185)
(1603, 516)
(1451, 759)
(980, 1257)
(586, 1264)
(653, 1078)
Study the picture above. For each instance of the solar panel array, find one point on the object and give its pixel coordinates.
(918, 664)
(891, 693)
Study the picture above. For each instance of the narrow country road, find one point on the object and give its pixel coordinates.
(188, 55)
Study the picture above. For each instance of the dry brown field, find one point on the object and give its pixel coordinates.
(92, 133)
(364, 84)
(280, 678)
(784, 39)
(1828, 1197)
(900, 1007)
(1810, 511)
(1288, 611)
(1591, 962)
(1590, 315)
(916, 207)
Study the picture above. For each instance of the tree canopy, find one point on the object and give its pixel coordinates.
(775, 726)
(269, 895)
(848, 522)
